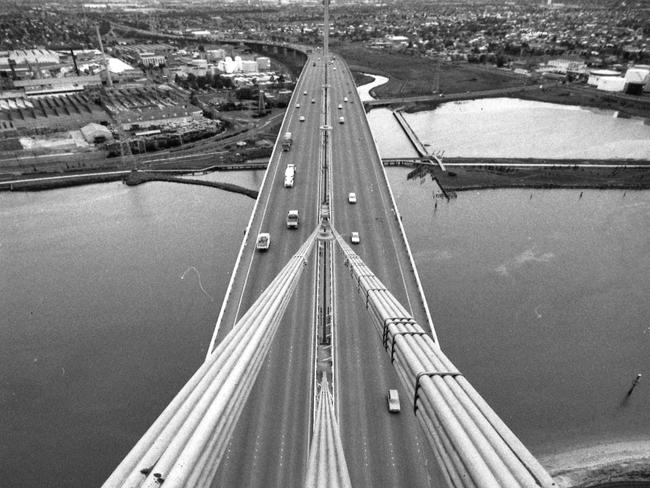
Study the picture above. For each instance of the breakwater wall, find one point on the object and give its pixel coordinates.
(137, 178)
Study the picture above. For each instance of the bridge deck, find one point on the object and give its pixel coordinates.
(270, 443)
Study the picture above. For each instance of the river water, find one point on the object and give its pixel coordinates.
(109, 295)
(512, 128)
(540, 298)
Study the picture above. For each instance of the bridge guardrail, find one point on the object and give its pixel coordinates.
(278, 143)
(401, 227)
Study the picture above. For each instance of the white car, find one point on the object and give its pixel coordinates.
(313, 100)
(393, 401)
(345, 99)
(352, 198)
(297, 105)
(305, 93)
(302, 118)
(354, 238)
(340, 106)
(263, 241)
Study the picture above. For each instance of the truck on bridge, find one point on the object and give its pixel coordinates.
(287, 140)
(289, 175)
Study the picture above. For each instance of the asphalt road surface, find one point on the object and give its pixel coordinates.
(270, 444)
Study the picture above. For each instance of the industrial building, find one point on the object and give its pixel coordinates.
(635, 81)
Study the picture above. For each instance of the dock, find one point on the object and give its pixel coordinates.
(416, 142)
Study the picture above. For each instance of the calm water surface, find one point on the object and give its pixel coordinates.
(104, 317)
(508, 127)
(541, 302)
(540, 298)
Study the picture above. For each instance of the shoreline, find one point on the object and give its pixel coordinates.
(488, 173)
(560, 95)
(491, 176)
(594, 464)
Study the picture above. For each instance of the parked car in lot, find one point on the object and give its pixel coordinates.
(302, 118)
(354, 238)
(297, 105)
(352, 198)
(263, 241)
(393, 401)
(305, 93)
(313, 100)
(340, 106)
(341, 120)
(345, 99)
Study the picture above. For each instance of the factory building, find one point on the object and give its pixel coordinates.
(263, 63)
(249, 66)
(637, 80)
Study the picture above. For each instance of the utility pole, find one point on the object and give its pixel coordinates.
(436, 75)
(260, 103)
(101, 47)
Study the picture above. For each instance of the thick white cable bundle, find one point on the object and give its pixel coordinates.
(474, 446)
(184, 445)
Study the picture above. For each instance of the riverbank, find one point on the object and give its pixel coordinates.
(590, 466)
(561, 95)
(47, 181)
(461, 178)
(480, 173)
(52, 183)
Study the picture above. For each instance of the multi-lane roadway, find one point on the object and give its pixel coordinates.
(270, 444)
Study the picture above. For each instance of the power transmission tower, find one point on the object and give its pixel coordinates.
(436, 74)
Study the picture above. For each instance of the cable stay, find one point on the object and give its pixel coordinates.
(185, 444)
(473, 445)
(327, 467)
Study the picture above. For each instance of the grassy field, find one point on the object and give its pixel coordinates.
(414, 75)
(411, 75)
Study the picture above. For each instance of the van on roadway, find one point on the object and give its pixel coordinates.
(289, 175)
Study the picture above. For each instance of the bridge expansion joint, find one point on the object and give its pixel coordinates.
(429, 374)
